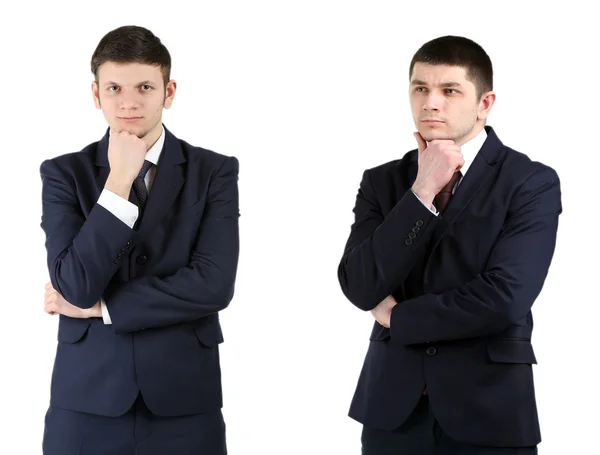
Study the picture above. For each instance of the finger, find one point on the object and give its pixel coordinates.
(459, 162)
(50, 309)
(51, 295)
(53, 309)
(117, 133)
(48, 285)
(376, 316)
(381, 323)
(421, 144)
(444, 141)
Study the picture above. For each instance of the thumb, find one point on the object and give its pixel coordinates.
(422, 145)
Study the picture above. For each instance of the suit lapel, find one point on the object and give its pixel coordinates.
(413, 168)
(406, 178)
(480, 170)
(168, 180)
(102, 166)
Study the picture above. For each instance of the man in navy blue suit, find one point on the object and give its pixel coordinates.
(142, 247)
(450, 247)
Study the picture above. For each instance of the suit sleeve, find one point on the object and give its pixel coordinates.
(81, 252)
(205, 286)
(505, 292)
(382, 250)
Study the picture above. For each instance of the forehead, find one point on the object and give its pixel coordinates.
(129, 73)
(439, 74)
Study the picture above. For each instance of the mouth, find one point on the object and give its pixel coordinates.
(130, 119)
(432, 122)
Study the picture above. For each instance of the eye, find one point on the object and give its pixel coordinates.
(451, 91)
(420, 89)
(146, 88)
(110, 89)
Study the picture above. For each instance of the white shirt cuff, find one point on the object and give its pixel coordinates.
(119, 207)
(432, 209)
(105, 315)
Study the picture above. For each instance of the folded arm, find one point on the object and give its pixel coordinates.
(81, 252)
(382, 250)
(205, 286)
(505, 292)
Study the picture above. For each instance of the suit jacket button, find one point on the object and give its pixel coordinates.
(411, 235)
(431, 350)
(419, 223)
(408, 241)
(141, 259)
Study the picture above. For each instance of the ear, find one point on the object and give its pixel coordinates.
(485, 105)
(96, 95)
(170, 93)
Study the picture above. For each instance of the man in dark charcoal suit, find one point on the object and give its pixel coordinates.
(450, 247)
(142, 245)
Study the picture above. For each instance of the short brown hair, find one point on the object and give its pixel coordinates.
(132, 44)
(458, 51)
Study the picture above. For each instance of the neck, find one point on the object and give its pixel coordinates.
(153, 135)
(474, 132)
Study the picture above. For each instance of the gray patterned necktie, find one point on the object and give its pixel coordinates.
(139, 186)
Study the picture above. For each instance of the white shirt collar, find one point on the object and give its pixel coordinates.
(153, 154)
(471, 148)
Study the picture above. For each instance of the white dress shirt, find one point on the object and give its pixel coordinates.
(126, 211)
(469, 151)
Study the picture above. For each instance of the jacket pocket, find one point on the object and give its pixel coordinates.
(209, 334)
(72, 330)
(379, 333)
(507, 350)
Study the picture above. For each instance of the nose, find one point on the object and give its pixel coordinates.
(128, 101)
(433, 102)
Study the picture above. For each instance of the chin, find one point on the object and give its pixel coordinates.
(433, 135)
(139, 132)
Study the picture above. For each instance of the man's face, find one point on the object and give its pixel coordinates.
(444, 103)
(132, 97)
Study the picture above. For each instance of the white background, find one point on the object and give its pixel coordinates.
(307, 95)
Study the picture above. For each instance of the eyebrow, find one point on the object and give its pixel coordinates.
(443, 84)
(146, 82)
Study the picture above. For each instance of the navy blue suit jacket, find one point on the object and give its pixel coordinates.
(164, 281)
(465, 283)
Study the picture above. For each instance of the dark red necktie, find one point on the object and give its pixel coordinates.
(443, 197)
